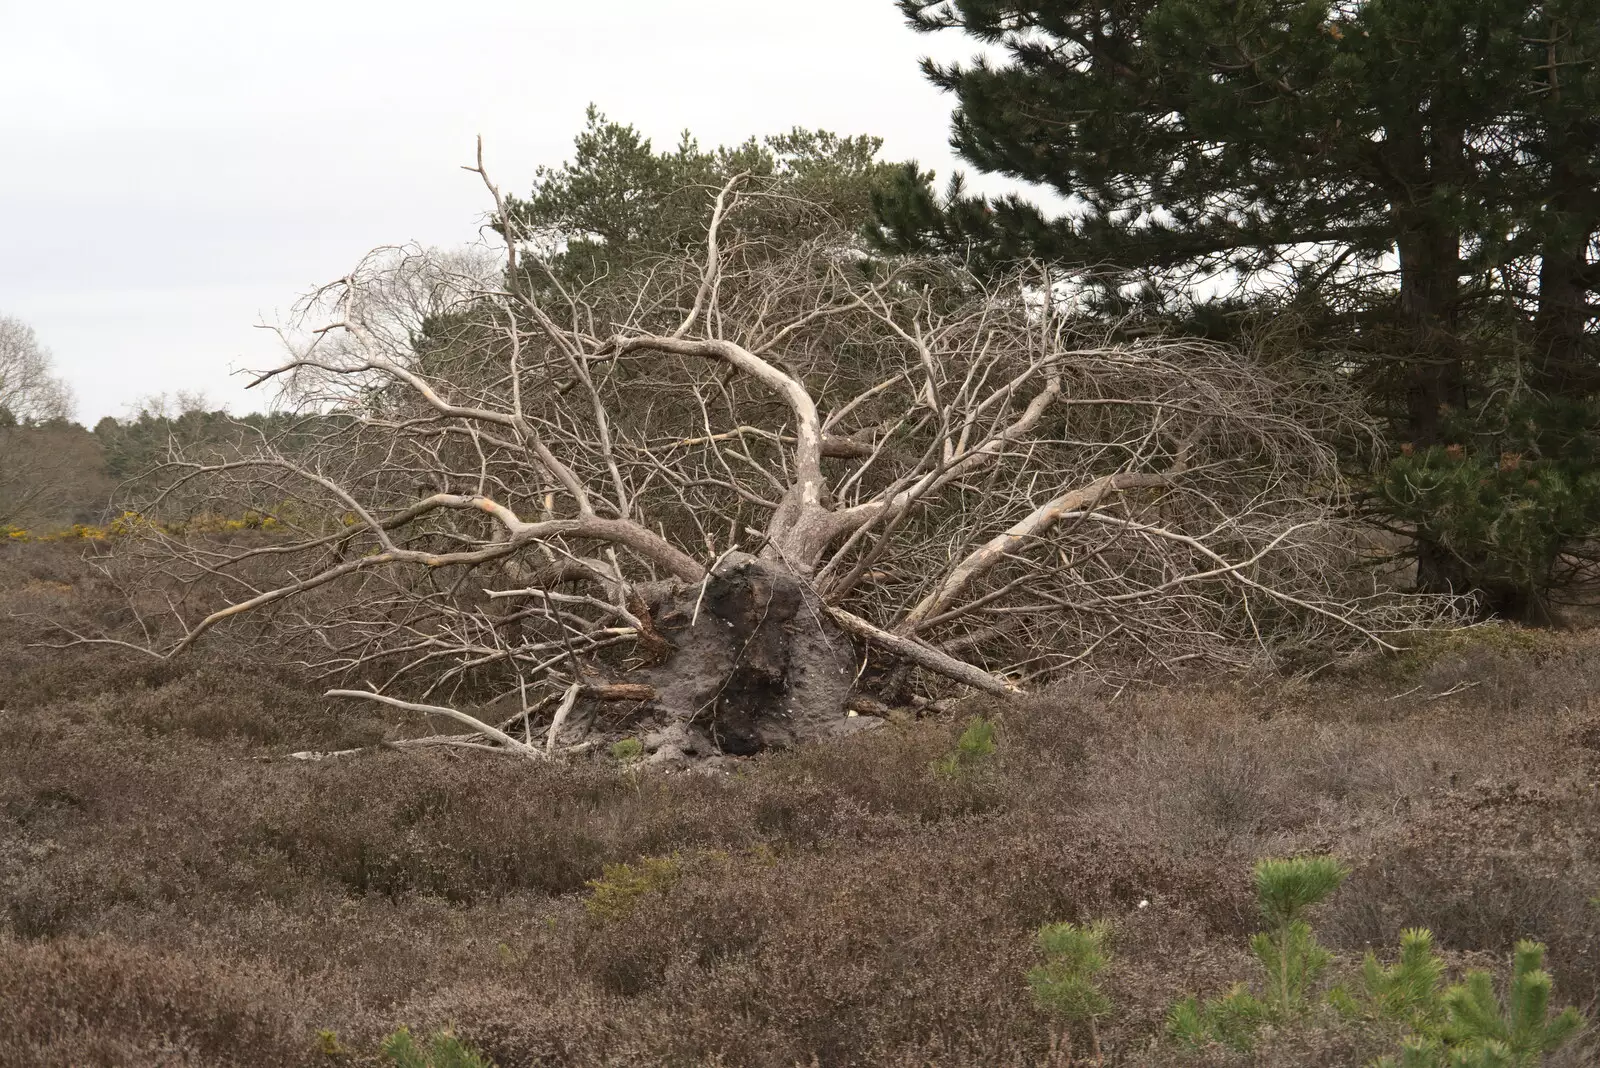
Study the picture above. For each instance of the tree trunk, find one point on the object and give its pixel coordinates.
(1430, 264)
(1429, 275)
(1562, 360)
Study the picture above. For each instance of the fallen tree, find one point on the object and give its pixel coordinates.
(733, 497)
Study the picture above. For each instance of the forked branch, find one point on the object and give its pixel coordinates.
(575, 498)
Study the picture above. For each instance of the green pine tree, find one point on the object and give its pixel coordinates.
(975, 746)
(1407, 990)
(1520, 1026)
(1064, 985)
(619, 201)
(1421, 176)
(1469, 1026)
(1288, 952)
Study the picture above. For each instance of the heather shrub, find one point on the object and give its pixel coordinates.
(104, 1001)
(1232, 791)
(1463, 1026)
(1485, 867)
(846, 902)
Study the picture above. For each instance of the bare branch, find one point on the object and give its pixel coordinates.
(440, 710)
(618, 502)
(921, 655)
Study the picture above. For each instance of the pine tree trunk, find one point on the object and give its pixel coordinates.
(1429, 266)
(1562, 362)
(1429, 276)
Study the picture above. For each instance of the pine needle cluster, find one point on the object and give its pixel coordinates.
(443, 1050)
(1465, 1025)
(1064, 985)
(975, 745)
(1289, 953)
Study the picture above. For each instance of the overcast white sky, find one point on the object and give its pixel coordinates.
(177, 171)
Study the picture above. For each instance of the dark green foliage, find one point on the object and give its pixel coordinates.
(1419, 178)
(54, 473)
(136, 444)
(619, 202)
(1196, 131)
(1508, 501)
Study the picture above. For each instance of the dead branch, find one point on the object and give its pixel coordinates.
(693, 497)
(476, 724)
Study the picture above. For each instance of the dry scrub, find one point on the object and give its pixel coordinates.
(172, 894)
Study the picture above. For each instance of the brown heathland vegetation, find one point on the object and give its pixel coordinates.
(175, 892)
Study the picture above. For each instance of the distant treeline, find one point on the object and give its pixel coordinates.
(56, 473)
